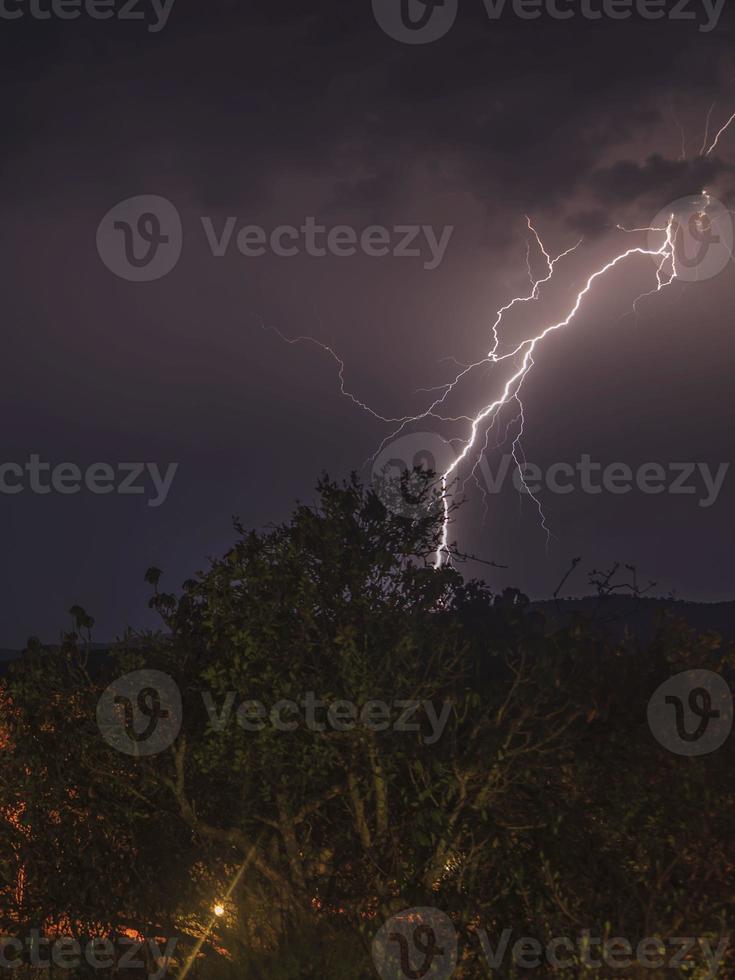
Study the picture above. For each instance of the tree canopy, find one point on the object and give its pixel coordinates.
(360, 733)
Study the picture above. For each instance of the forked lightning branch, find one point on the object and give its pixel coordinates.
(701, 215)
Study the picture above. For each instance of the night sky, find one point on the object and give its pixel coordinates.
(274, 112)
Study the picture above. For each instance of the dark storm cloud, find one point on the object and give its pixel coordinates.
(515, 112)
(369, 195)
(656, 179)
(590, 223)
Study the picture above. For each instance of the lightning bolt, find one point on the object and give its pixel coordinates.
(521, 356)
(511, 391)
(719, 136)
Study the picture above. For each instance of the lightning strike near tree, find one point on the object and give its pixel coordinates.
(521, 356)
(512, 387)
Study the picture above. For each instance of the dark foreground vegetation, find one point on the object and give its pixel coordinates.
(545, 806)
